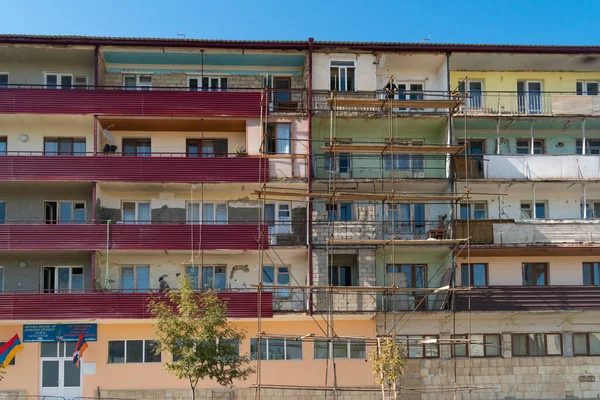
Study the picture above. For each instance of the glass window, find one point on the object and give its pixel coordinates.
(421, 346)
(536, 344)
(76, 279)
(535, 274)
(276, 349)
(524, 146)
(137, 147)
(2, 212)
(474, 275)
(192, 273)
(342, 76)
(591, 273)
(142, 278)
(486, 345)
(214, 278)
(127, 279)
(3, 146)
(321, 350)
(116, 352)
(64, 146)
(473, 210)
(135, 351)
(527, 210)
(3, 81)
(149, 356)
(341, 275)
(279, 138)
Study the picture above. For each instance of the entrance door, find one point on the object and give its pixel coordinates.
(60, 377)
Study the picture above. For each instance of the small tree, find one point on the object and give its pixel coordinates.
(387, 361)
(193, 328)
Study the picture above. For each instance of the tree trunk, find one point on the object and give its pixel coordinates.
(193, 387)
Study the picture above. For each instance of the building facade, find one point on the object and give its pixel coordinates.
(447, 195)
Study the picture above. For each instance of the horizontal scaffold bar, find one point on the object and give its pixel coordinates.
(394, 289)
(391, 149)
(395, 242)
(342, 196)
(386, 104)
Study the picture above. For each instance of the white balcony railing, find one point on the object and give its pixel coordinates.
(541, 167)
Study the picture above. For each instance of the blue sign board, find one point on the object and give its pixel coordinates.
(59, 332)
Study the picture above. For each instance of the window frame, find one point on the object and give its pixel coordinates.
(3, 218)
(594, 272)
(58, 220)
(540, 141)
(137, 220)
(59, 77)
(535, 273)
(532, 210)
(464, 87)
(137, 76)
(198, 142)
(332, 160)
(472, 208)
(413, 224)
(4, 140)
(272, 139)
(144, 361)
(58, 139)
(584, 88)
(335, 270)
(330, 353)
(424, 346)
(528, 350)
(136, 152)
(588, 146)
(339, 75)
(209, 88)
(201, 219)
(56, 289)
(285, 350)
(136, 288)
(2, 73)
(390, 159)
(213, 268)
(471, 274)
(483, 344)
(334, 212)
(282, 290)
(588, 353)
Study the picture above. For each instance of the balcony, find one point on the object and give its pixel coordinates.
(73, 306)
(160, 167)
(166, 236)
(529, 167)
(530, 104)
(164, 101)
(530, 232)
(530, 298)
(403, 166)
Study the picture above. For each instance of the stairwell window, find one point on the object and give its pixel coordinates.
(279, 138)
(342, 76)
(524, 146)
(487, 345)
(591, 273)
(137, 82)
(536, 344)
(276, 349)
(527, 211)
(589, 88)
(586, 344)
(592, 146)
(535, 274)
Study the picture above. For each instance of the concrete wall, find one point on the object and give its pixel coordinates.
(541, 231)
(542, 167)
(427, 69)
(25, 200)
(29, 278)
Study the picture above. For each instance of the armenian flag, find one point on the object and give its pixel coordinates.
(79, 349)
(10, 350)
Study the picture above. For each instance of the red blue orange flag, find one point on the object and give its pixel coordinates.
(10, 350)
(79, 349)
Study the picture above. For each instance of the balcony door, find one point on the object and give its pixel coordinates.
(278, 217)
(530, 97)
(60, 377)
(282, 95)
(474, 91)
(62, 279)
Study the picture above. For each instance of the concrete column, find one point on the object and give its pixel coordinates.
(506, 345)
(366, 267)
(445, 349)
(567, 344)
(532, 139)
(583, 144)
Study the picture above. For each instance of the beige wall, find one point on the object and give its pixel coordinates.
(365, 70)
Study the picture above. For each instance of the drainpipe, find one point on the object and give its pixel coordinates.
(95, 135)
(450, 170)
(309, 171)
(96, 60)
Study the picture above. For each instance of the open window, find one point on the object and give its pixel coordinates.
(64, 212)
(279, 138)
(342, 76)
(62, 279)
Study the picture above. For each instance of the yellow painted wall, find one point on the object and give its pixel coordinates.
(507, 81)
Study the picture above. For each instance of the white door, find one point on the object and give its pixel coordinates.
(284, 219)
(60, 377)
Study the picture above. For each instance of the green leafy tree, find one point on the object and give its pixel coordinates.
(193, 328)
(387, 362)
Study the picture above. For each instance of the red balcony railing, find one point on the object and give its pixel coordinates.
(158, 168)
(131, 237)
(62, 306)
(28, 99)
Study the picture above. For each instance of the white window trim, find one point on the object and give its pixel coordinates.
(530, 150)
(137, 212)
(57, 267)
(58, 208)
(135, 276)
(188, 217)
(58, 79)
(346, 68)
(472, 205)
(285, 346)
(137, 76)
(125, 351)
(208, 76)
(583, 86)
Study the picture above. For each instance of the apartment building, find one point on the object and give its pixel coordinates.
(444, 194)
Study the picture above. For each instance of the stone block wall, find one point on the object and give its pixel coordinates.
(364, 225)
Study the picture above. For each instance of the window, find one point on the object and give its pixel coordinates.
(64, 146)
(487, 345)
(341, 349)
(338, 162)
(339, 212)
(536, 344)
(592, 146)
(421, 346)
(132, 351)
(342, 76)
(1, 282)
(524, 146)
(137, 82)
(13, 361)
(341, 275)
(416, 274)
(589, 88)
(62, 279)
(212, 213)
(527, 211)
(137, 147)
(135, 278)
(207, 83)
(475, 210)
(475, 93)
(404, 162)
(206, 148)
(406, 218)
(591, 273)
(3, 80)
(276, 349)
(136, 212)
(192, 273)
(214, 277)
(279, 138)
(535, 274)
(232, 351)
(59, 81)
(586, 344)
(278, 218)
(64, 212)
(3, 146)
(2, 212)
(592, 209)
(474, 275)
(279, 276)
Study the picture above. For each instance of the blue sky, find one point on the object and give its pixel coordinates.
(449, 21)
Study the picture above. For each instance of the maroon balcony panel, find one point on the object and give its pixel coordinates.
(61, 306)
(131, 237)
(130, 102)
(530, 298)
(133, 169)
